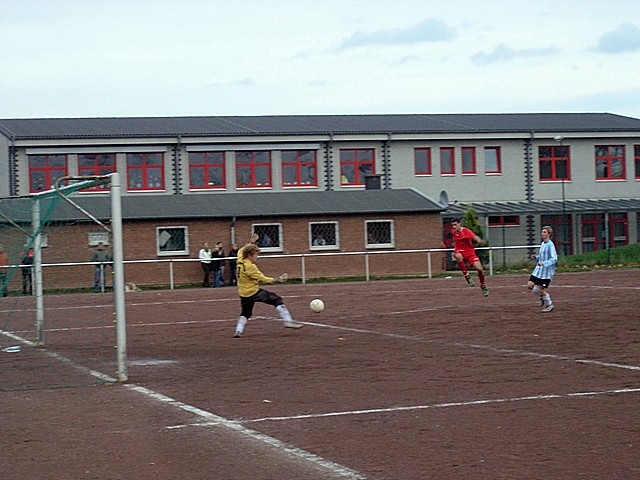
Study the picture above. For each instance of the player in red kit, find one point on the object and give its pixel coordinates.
(464, 252)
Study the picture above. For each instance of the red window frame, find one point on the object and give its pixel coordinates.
(253, 169)
(355, 164)
(504, 221)
(562, 232)
(608, 157)
(447, 161)
(299, 168)
(145, 171)
(468, 160)
(422, 161)
(45, 170)
(207, 171)
(636, 160)
(498, 159)
(552, 160)
(93, 164)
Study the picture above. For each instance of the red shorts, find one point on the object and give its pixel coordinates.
(468, 256)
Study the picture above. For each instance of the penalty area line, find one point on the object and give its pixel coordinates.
(444, 405)
(213, 419)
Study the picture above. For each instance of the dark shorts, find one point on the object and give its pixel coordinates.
(262, 296)
(543, 282)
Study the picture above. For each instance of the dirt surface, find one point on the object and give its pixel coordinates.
(406, 380)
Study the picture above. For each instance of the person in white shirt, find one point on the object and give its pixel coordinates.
(205, 260)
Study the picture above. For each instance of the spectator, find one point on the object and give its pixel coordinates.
(102, 257)
(27, 273)
(218, 265)
(4, 265)
(205, 261)
(233, 263)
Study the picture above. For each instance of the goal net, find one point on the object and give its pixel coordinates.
(61, 306)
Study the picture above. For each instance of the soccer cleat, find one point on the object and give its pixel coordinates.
(237, 334)
(469, 280)
(547, 309)
(293, 325)
(485, 291)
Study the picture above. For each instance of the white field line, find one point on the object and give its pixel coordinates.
(60, 358)
(211, 418)
(445, 405)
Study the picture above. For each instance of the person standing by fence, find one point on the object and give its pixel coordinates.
(205, 261)
(544, 270)
(4, 265)
(27, 272)
(102, 257)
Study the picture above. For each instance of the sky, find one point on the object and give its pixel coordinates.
(150, 58)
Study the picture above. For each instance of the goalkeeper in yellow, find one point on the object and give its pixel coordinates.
(249, 279)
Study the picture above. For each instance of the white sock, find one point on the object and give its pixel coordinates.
(284, 313)
(242, 321)
(547, 299)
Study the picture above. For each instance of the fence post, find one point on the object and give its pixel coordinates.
(303, 269)
(366, 265)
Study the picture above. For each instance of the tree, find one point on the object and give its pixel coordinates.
(471, 222)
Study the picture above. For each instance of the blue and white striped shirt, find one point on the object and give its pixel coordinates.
(548, 257)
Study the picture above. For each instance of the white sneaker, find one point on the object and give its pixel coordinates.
(293, 325)
(547, 309)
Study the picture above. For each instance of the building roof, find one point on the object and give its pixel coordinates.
(545, 207)
(212, 126)
(229, 205)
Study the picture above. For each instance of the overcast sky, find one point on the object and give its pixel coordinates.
(105, 58)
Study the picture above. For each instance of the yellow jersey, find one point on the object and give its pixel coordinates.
(249, 277)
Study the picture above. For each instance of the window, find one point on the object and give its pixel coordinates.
(206, 170)
(269, 236)
(593, 232)
(562, 232)
(145, 171)
(379, 234)
(323, 235)
(45, 170)
(610, 162)
(447, 161)
(172, 241)
(468, 160)
(355, 164)
(618, 230)
(299, 168)
(636, 156)
(504, 221)
(553, 163)
(253, 169)
(422, 161)
(93, 165)
(492, 162)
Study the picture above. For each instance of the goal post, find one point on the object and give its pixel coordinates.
(30, 224)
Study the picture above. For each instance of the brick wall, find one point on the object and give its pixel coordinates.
(412, 231)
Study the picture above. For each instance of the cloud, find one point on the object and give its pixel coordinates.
(625, 38)
(502, 53)
(428, 30)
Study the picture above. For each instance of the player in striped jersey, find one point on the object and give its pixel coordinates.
(545, 269)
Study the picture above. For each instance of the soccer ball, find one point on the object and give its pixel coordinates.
(316, 305)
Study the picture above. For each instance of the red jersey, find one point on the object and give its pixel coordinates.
(463, 240)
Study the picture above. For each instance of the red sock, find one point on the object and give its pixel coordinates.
(463, 268)
(481, 277)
